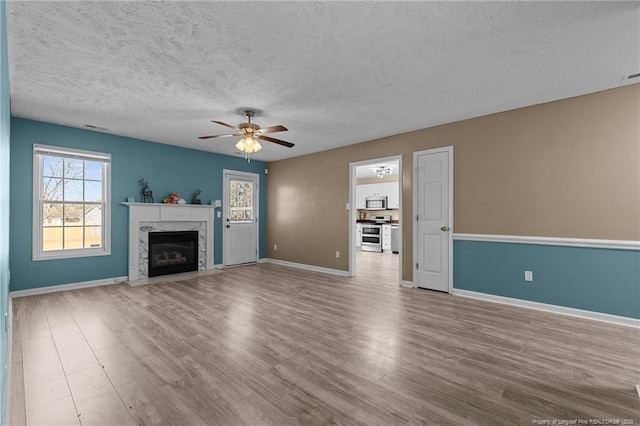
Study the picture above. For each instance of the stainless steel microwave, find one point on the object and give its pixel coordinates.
(376, 203)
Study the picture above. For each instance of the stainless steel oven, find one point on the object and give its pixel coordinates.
(371, 239)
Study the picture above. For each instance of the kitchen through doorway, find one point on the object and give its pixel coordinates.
(375, 220)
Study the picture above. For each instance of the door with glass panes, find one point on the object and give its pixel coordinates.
(240, 221)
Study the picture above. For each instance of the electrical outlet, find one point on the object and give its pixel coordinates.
(528, 275)
(337, 255)
(275, 247)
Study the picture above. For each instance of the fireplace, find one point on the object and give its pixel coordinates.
(172, 252)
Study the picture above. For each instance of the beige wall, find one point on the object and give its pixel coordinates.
(564, 169)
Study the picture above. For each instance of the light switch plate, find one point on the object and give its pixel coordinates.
(528, 275)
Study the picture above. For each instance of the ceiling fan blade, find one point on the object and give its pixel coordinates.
(273, 129)
(278, 141)
(220, 136)
(225, 124)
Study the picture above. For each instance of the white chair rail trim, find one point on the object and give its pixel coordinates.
(551, 241)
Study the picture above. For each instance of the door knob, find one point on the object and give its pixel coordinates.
(228, 226)
(444, 228)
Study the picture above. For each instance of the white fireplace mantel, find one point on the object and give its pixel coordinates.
(168, 217)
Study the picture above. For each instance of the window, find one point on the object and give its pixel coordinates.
(71, 203)
(240, 201)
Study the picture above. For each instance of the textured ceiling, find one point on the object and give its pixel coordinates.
(334, 73)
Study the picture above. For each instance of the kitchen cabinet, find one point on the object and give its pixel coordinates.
(358, 234)
(375, 189)
(386, 238)
(360, 197)
(368, 190)
(388, 189)
(393, 195)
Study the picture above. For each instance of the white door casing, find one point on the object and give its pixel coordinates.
(240, 217)
(359, 192)
(433, 219)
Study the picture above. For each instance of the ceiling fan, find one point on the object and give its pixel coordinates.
(250, 133)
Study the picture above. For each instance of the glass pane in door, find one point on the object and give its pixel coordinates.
(240, 201)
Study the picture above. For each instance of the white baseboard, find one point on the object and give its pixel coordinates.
(572, 312)
(404, 283)
(65, 287)
(6, 412)
(221, 265)
(308, 267)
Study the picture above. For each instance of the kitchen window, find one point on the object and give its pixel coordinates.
(71, 203)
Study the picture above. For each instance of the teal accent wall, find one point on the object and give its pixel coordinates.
(167, 168)
(5, 125)
(593, 279)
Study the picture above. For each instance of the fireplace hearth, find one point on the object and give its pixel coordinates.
(172, 252)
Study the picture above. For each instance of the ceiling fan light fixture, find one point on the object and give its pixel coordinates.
(250, 132)
(249, 144)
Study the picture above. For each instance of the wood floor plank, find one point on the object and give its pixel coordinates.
(141, 390)
(94, 330)
(267, 344)
(74, 351)
(33, 318)
(18, 410)
(97, 402)
(61, 412)
(56, 309)
(44, 378)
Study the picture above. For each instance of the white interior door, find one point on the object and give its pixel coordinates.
(434, 218)
(240, 222)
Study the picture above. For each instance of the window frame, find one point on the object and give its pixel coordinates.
(39, 151)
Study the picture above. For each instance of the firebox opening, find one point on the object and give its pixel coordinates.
(172, 252)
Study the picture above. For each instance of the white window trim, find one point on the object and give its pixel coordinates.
(37, 252)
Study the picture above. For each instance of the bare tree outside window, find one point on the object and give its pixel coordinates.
(72, 203)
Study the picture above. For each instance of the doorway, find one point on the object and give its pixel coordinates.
(375, 213)
(240, 217)
(433, 219)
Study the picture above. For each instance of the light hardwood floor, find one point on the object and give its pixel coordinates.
(267, 344)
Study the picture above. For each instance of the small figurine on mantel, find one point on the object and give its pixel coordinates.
(195, 199)
(147, 194)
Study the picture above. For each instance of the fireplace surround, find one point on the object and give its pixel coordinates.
(146, 218)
